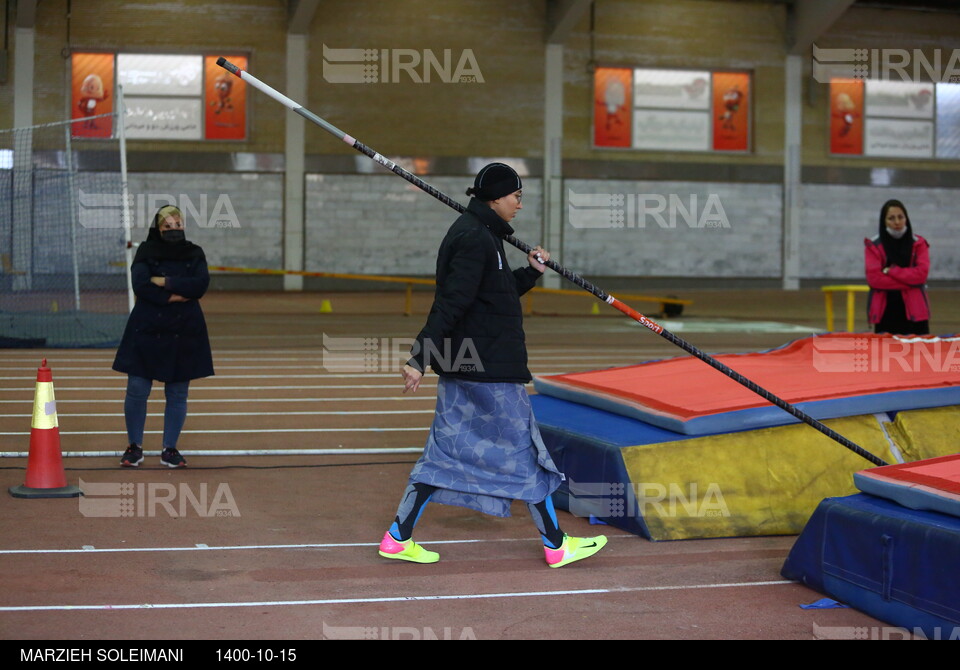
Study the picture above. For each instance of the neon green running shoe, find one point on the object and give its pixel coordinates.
(406, 551)
(574, 549)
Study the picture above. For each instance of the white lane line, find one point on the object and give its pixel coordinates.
(341, 451)
(206, 387)
(326, 545)
(277, 413)
(233, 430)
(217, 387)
(315, 375)
(360, 601)
(361, 374)
(71, 355)
(297, 364)
(61, 401)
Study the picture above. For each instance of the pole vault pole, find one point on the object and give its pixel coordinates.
(553, 265)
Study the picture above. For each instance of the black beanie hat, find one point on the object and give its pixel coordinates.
(495, 181)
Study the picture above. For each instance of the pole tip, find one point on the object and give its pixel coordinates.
(228, 66)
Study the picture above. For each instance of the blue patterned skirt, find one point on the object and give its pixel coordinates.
(484, 449)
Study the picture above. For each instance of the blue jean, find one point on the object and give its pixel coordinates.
(135, 409)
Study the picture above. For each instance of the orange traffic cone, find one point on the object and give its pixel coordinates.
(45, 475)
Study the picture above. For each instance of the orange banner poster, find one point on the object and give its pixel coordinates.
(91, 93)
(731, 111)
(846, 116)
(612, 106)
(226, 100)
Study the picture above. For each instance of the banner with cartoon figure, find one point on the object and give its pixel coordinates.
(225, 100)
(91, 86)
(671, 109)
(612, 106)
(846, 116)
(731, 111)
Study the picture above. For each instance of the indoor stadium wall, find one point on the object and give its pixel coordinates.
(352, 224)
(357, 220)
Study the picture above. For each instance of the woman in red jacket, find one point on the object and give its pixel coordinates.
(897, 264)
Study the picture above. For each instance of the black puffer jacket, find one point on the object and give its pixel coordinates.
(167, 341)
(475, 327)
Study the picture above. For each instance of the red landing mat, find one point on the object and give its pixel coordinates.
(932, 484)
(826, 376)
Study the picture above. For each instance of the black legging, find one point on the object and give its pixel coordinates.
(417, 495)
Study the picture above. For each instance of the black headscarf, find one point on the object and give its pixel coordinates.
(155, 248)
(899, 252)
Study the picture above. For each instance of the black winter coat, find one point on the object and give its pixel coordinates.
(167, 341)
(475, 327)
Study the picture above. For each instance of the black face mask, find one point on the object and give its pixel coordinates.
(173, 236)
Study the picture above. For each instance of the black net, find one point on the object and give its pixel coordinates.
(63, 280)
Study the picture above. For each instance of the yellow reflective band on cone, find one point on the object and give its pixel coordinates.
(44, 407)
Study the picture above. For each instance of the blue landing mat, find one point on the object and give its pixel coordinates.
(895, 564)
(597, 425)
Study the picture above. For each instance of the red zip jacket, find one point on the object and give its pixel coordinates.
(909, 281)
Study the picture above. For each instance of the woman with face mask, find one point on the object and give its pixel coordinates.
(897, 264)
(166, 335)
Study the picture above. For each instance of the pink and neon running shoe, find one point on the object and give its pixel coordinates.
(406, 551)
(574, 549)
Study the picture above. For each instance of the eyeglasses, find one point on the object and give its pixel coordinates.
(518, 196)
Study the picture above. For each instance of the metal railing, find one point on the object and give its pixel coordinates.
(410, 282)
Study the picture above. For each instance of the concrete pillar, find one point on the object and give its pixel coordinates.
(792, 162)
(294, 155)
(552, 239)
